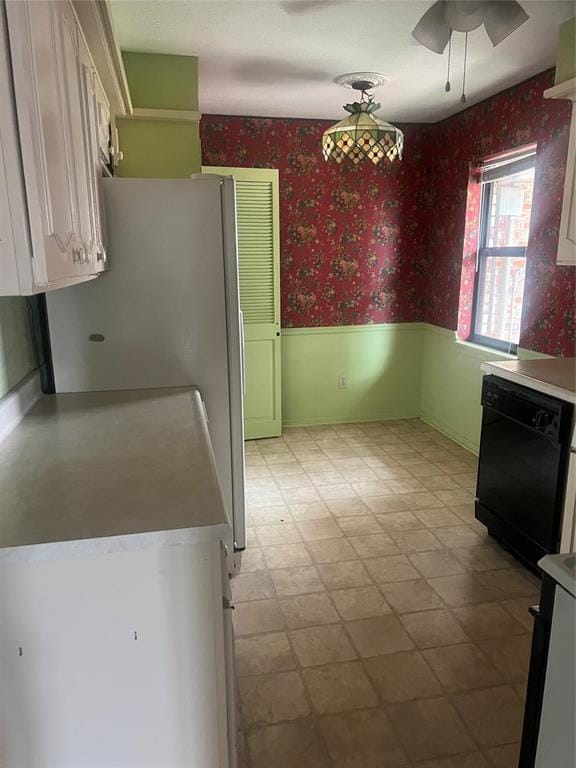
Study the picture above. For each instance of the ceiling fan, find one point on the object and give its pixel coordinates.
(435, 29)
(500, 19)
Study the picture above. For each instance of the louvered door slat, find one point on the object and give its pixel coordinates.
(255, 210)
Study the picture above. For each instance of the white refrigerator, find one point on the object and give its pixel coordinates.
(167, 313)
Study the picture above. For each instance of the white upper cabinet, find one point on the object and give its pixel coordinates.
(97, 121)
(567, 236)
(14, 239)
(567, 240)
(54, 93)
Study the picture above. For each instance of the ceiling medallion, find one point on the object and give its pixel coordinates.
(362, 134)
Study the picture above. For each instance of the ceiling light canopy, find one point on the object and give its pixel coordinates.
(362, 134)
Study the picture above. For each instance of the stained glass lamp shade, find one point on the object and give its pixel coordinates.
(362, 134)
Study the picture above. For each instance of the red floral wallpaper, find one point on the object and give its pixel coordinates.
(513, 118)
(394, 243)
(469, 253)
(352, 239)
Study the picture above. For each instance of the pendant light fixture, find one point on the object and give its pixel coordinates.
(363, 134)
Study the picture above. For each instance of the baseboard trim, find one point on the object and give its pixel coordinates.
(320, 421)
(17, 402)
(451, 433)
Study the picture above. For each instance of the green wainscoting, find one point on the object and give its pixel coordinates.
(382, 364)
(16, 351)
(403, 370)
(452, 383)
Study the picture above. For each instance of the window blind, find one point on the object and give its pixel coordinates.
(499, 168)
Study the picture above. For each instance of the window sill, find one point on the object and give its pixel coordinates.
(473, 346)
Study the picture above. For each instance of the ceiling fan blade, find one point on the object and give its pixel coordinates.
(502, 18)
(432, 31)
(293, 7)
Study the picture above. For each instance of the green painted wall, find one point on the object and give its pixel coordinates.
(160, 81)
(168, 149)
(566, 54)
(158, 149)
(393, 371)
(452, 383)
(16, 351)
(381, 362)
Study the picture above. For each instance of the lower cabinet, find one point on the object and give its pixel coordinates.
(117, 658)
(548, 732)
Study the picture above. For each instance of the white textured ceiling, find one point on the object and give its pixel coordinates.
(278, 57)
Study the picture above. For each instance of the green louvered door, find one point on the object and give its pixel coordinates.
(259, 264)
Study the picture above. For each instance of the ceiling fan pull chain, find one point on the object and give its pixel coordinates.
(463, 97)
(447, 86)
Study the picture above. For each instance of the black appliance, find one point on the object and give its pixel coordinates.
(537, 675)
(524, 451)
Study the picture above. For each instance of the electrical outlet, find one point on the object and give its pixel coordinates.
(343, 382)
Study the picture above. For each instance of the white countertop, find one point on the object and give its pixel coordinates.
(562, 568)
(554, 376)
(110, 464)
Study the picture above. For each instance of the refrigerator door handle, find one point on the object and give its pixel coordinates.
(242, 353)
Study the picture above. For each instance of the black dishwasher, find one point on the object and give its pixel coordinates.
(524, 451)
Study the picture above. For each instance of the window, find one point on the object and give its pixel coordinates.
(507, 187)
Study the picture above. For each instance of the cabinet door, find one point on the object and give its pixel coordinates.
(92, 104)
(14, 242)
(567, 238)
(115, 659)
(72, 81)
(45, 61)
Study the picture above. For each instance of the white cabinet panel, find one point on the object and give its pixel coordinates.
(57, 138)
(36, 46)
(567, 239)
(556, 743)
(114, 660)
(70, 71)
(15, 249)
(93, 103)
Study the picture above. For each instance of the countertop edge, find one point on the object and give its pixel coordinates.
(107, 545)
(528, 381)
(553, 566)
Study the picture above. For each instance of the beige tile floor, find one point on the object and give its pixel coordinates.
(377, 625)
